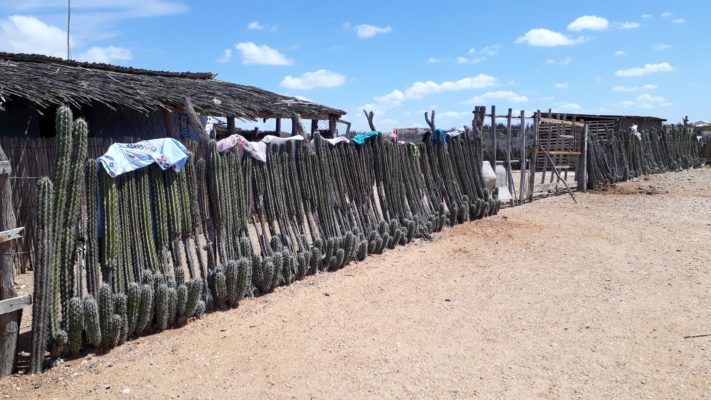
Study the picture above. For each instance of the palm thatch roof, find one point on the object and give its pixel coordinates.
(46, 81)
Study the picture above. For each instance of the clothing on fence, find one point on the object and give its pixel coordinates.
(337, 140)
(360, 139)
(126, 157)
(258, 150)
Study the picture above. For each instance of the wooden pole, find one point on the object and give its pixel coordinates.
(555, 171)
(583, 170)
(277, 129)
(10, 322)
(509, 175)
(493, 138)
(534, 154)
(231, 127)
(545, 160)
(168, 122)
(314, 126)
(522, 142)
(332, 127)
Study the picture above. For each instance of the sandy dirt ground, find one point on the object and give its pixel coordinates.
(605, 299)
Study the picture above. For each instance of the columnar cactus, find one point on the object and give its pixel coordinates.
(195, 287)
(233, 295)
(244, 277)
(133, 307)
(145, 315)
(43, 295)
(182, 300)
(362, 250)
(172, 305)
(106, 312)
(162, 307)
(75, 324)
(121, 309)
(92, 322)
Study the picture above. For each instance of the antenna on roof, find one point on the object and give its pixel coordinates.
(69, 21)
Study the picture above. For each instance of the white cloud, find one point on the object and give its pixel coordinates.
(589, 22)
(504, 95)
(646, 70)
(646, 100)
(106, 55)
(23, 34)
(666, 14)
(435, 60)
(365, 31)
(678, 20)
(466, 60)
(662, 47)
(255, 26)
(632, 89)
(321, 78)
(261, 55)
(564, 61)
(646, 16)
(629, 25)
(620, 53)
(225, 57)
(422, 89)
(562, 85)
(546, 38)
(569, 107)
(475, 56)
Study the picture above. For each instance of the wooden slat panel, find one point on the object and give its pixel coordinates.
(561, 122)
(15, 303)
(6, 236)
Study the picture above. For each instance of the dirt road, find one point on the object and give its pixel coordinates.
(552, 300)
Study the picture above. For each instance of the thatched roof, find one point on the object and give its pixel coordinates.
(47, 81)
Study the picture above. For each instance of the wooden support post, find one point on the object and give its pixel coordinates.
(522, 143)
(168, 122)
(509, 174)
(582, 173)
(545, 160)
(10, 322)
(332, 130)
(277, 128)
(314, 126)
(555, 171)
(231, 127)
(493, 138)
(534, 154)
(13, 304)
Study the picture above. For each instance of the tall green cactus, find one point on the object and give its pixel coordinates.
(121, 309)
(233, 295)
(75, 324)
(161, 305)
(61, 179)
(92, 321)
(145, 315)
(195, 288)
(93, 269)
(106, 313)
(44, 242)
(133, 307)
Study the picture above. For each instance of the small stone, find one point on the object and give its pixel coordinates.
(107, 387)
(126, 390)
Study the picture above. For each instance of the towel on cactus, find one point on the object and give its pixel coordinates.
(127, 157)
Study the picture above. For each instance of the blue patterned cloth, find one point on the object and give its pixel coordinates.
(126, 157)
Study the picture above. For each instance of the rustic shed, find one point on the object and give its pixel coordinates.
(600, 125)
(124, 101)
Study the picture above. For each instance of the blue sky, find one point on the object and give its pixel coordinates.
(400, 58)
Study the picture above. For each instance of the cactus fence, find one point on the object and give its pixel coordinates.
(623, 155)
(151, 249)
